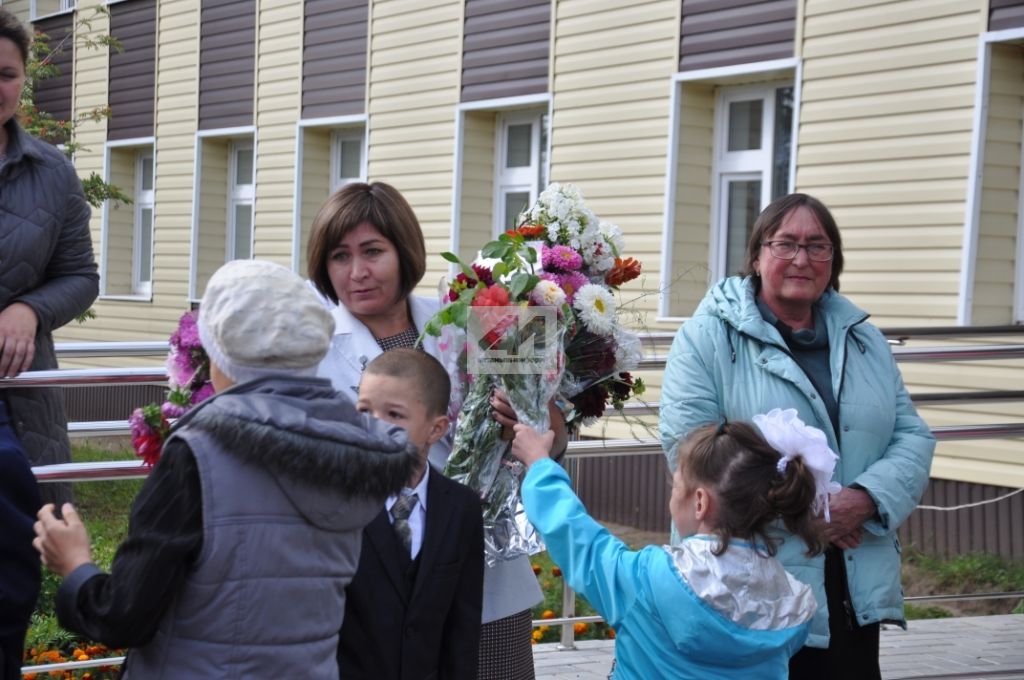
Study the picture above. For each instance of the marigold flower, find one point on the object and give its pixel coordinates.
(536, 569)
(580, 628)
(624, 270)
(555, 571)
(537, 635)
(610, 633)
(548, 614)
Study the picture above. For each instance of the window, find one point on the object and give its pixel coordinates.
(347, 157)
(331, 153)
(42, 8)
(223, 200)
(240, 201)
(751, 165)
(520, 172)
(142, 240)
(127, 229)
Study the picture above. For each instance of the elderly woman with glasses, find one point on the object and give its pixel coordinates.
(781, 336)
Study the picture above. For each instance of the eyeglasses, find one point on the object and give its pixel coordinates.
(787, 250)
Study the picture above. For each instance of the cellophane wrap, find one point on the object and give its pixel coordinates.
(482, 460)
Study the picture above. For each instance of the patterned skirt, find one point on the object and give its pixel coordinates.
(506, 648)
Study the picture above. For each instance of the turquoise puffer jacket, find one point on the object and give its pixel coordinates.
(729, 362)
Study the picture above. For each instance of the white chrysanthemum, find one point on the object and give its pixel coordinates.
(548, 293)
(613, 235)
(596, 307)
(628, 351)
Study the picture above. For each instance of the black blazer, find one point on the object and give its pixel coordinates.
(427, 626)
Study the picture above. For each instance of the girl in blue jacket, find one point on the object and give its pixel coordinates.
(718, 605)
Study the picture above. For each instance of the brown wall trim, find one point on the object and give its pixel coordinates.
(334, 49)
(53, 95)
(506, 45)
(227, 58)
(1003, 14)
(728, 32)
(132, 71)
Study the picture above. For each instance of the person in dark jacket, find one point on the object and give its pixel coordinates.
(248, 530)
(413, 610)
(47, 270)
(47, 277)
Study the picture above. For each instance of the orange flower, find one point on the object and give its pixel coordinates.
(537, 635)
(611, 633)
(623, 271)
(580, 628)
(555, 571)
(531, 230)
(548, 614)
(536, 569)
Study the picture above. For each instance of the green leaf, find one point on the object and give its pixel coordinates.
(519, 284)
(496, 249)
(499, 270)
(451, 257)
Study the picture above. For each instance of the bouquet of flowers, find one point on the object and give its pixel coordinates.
(583, 255)
(188, 377)
(503, 327)
(561, 261)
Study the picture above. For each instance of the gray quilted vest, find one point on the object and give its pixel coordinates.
(267, 595)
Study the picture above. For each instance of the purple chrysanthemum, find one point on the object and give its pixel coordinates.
(560, 259)
(187, 334)
(570, 282)
(172, 410)
(204, 392)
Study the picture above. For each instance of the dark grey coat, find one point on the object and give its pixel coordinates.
(46, 262)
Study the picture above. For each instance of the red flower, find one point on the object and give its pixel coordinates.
(555, 571)
(623, 271)
(148, 446)
(494, 296)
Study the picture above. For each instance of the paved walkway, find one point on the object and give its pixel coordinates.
(951, 649)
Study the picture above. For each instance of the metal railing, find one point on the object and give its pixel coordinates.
(131, 469)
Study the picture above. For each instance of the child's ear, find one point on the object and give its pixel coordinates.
(438, 429)
(702, 503)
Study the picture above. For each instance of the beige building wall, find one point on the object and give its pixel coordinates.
(316, 181)
(885, 141)
(415, 62)
(19, 8)
(476, 216)
(609, 129)
(120, 235)
(278, 95)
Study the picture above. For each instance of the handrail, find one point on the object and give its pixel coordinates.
(75, 350)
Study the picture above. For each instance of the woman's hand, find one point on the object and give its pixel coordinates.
(849, 509)
(503, 412)
(529, 446)
(63, 544)
(18, 324)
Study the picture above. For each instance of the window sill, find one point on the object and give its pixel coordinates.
(126, 298)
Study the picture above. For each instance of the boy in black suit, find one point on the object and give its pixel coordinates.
(413, 608)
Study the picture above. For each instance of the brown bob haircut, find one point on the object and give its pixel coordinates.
(770, 220)
(383, 207)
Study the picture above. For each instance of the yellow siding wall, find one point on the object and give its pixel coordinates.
(610, 118)
(413, 90)
(1000, 189)
(19, 8)
(211, 239)
(278, 82)
(689, 275)
(120, 227)
(884, 140)
(316, 171)
(476, 221)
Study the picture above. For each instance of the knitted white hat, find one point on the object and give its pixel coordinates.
(258, 319)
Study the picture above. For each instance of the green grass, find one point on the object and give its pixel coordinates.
(972, 573)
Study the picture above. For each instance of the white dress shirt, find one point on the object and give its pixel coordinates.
(418, 515)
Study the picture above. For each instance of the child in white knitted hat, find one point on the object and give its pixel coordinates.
(247, 531)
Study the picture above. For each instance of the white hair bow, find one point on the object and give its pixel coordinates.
(791, 437)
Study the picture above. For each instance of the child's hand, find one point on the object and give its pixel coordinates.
(529, 445)
(63, 544)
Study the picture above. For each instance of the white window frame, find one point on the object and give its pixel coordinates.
(1018, 278)
(739, 165)
(519, 179)
(144, 198)
(788, 70)
(338, 137)
(239, 194)
(63, 7)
